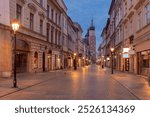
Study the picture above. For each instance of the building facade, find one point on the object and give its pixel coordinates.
(129, 34)
(46, 38)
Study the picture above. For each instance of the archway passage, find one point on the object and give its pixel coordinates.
(22, 49)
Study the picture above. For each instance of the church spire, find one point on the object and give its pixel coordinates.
(92, 24)
(92, 27)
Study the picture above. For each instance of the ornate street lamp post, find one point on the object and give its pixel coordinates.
(15, 27)
(112, 53)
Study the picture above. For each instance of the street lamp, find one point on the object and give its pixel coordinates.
(75, 62)
(112, 52)
(75, 54)
(15, 27)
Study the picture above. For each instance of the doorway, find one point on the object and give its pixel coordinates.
(21, 62)
(43, 61)
(127, 64)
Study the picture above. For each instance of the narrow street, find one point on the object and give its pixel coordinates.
(88, 83)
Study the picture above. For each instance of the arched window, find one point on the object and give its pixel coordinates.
(35, 60)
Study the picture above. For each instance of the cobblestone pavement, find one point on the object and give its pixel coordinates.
(88, 83)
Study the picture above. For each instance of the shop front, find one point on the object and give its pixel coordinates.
(144, 62)
(143, 56)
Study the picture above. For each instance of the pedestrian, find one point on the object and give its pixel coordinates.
(75, 64)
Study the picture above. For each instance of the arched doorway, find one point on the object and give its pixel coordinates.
(36, 60)
(43, 61)
(49, 60)
(22, 50)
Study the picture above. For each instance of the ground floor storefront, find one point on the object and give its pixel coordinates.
(32, 55)
(142, 48)
(144, 62)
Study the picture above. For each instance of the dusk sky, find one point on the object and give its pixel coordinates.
(82, 11)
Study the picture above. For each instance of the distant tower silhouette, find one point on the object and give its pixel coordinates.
(92, 41)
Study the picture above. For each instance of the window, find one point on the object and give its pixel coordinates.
(48, 11)
(64, 23)
(131, 26)
(126, 31)
(41, 2)
(52, 14)
(147, 14)
(48, 27)
(18, 12)
(52, 34)
(41, 26)
(56, 37)
(131, 3)
(56, 18)
(31, 21)
(139, 20)
(125, 8)
(59, 38)
(59, 19)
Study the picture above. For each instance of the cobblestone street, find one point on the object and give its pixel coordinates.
(88, 83)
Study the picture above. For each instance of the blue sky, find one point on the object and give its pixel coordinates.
(82, 11)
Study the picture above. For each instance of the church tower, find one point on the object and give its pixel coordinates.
(92, 42)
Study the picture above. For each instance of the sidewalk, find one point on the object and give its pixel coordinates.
(136, 84)
(24, 81)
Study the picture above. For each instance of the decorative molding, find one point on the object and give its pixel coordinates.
(41, 14)
(32, 7)
(21, 2)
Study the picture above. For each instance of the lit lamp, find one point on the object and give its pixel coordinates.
(108, 59)
(112, 49)
(15, 27)
(112, 52)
